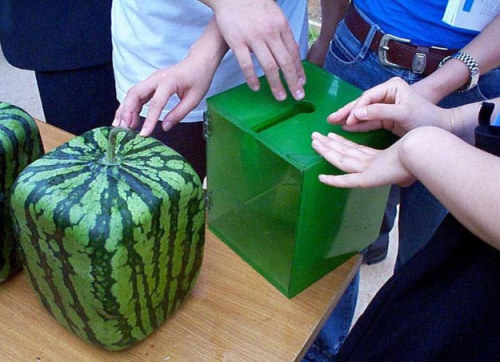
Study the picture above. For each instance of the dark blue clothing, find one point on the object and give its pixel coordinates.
(53, 35)
(78, 100)
(442, 305)
(193, 151)
(68, 45)
(417, 20)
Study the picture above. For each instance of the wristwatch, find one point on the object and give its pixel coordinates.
(471, 64)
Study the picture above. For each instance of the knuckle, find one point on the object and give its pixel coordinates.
(247, 67)
(132, 94)
(280, 22)
(155, 103)
(365, 92)
(238, 38)
(397, 80)
(164, 76)
(271, 33)
(288, 66)
(270, 66)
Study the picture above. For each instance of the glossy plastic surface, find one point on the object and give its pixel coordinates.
(265, 200)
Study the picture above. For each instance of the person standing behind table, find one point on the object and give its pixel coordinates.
(68, 45)
(355, 58)
(364, 51)
(150, 39)
(442, 305)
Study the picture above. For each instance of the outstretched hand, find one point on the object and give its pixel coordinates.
(366, 167)
(392, 105)
(190, 79)
(157, 89)
(260, 27)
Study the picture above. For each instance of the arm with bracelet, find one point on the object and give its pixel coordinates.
(428, 151)
(424, 291)
(461, 71)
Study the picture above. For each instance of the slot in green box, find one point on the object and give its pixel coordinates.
(265, 200)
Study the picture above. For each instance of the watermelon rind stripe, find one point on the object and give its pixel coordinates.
(20, 144)
(111, 250)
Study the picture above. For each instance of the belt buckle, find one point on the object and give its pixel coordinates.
(384, 47)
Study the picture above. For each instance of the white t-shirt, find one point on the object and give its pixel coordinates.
(151, 35)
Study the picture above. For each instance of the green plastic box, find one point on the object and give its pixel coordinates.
(264, 197)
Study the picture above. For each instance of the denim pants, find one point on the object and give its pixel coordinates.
(420, 212)
(332, 335)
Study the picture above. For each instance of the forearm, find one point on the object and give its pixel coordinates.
(484, 48)
(332, 11)
(210, 47)
(462, 121)
(462, 177)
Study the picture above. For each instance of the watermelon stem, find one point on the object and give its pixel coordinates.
(111, 149)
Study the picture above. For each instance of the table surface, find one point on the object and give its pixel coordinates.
(232, 314)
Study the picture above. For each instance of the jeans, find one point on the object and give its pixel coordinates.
(336, 328)
(420, 212)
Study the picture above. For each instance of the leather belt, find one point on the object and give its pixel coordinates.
(397, 52)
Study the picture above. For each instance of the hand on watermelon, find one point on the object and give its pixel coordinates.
(189, 79)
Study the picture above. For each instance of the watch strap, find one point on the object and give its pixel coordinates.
(471, 64)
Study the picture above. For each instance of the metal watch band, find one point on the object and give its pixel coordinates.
(471, 64)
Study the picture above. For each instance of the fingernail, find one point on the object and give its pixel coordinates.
(281, 96)
(361, 113)
(299, 94)
(302, 80)
(167, 125)
(322, 178)
(255, 87)
(115, 122)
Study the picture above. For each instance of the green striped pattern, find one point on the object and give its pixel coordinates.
(111, 249)
(19, 145)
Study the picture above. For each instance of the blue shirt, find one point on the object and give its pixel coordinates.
(417, 20)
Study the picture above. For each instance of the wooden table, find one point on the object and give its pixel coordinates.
(232, 314)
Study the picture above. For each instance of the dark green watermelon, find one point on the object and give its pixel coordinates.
(112, 238)
(20, 145)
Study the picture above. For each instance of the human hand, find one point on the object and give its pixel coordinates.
(443, 81)
(189, 79)
(366, 167)
(392, 105)
(427, 91)
(259, 26)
